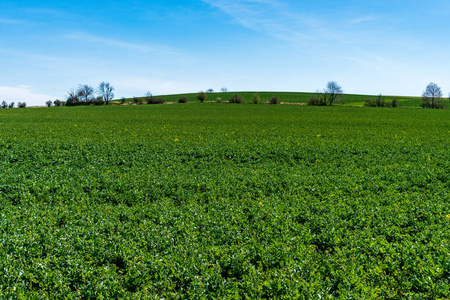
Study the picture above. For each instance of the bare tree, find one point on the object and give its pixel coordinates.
(106, 91)
(431, 95)
(224, 89)
(201, 96)
(333, 92)
(85, 93)
(72, 97)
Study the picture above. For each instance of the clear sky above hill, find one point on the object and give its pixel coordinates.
(392, 47)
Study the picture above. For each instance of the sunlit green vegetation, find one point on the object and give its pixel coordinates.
(290, 97)
(220, 201)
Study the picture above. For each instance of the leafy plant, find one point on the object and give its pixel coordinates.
(256, 99)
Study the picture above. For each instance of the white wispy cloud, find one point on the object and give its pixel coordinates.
(276, 18)
(363, 20)
(10, 21)
(138, 86)
(135, 47)
(23, 93)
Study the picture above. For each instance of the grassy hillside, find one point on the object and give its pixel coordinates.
(291, 97)
(220, 201)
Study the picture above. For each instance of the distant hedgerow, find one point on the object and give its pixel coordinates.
(320, 100)
(155, 100)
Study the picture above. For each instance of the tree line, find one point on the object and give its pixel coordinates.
(85, 94)
(5, 104)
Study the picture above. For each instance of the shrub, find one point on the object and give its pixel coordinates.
(236, 99)
(99, 101)
(57, 102)
(137, 101)
(49, 103)
(219, 100)
(274, 100)
(370, 103)
(157, 100)
(22, 104)
(394, 102)
(183, 99)
(4, 105)
(11, 105)
(378, 102)
(428, 103)
(122, 100)
(201, 96)
(256, 99)
(318, 101)
(149, 97)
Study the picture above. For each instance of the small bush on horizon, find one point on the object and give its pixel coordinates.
(157, 100)
(236, 99)
(320, 100)
(394, 102)
(256, 99)
(201, 96)
(183, 99)
(49, 103)
(99, 101)
(22, 104)
(274, 100)
(11, 105)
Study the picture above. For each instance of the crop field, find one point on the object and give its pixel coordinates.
(224, 201)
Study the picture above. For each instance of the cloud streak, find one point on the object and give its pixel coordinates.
(272, 17)
(10, 21)
(133, 47)
(23, 94)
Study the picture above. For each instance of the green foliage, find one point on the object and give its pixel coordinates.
(432, 103)
(274, 100)
(236, 99)
(256, 98)
(137, 100)
(294, 97)
(319, 100)
(155, 100)
(183, 99)
(208, 201)
(394, 103)
(201, 96)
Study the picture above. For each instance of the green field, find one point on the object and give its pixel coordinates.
(224, 201)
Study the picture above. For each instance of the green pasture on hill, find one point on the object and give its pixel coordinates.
(289, 97)
(224, 201)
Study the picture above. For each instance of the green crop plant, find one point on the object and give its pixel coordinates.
(221, 201)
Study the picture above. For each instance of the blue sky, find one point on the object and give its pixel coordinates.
(391, 47)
